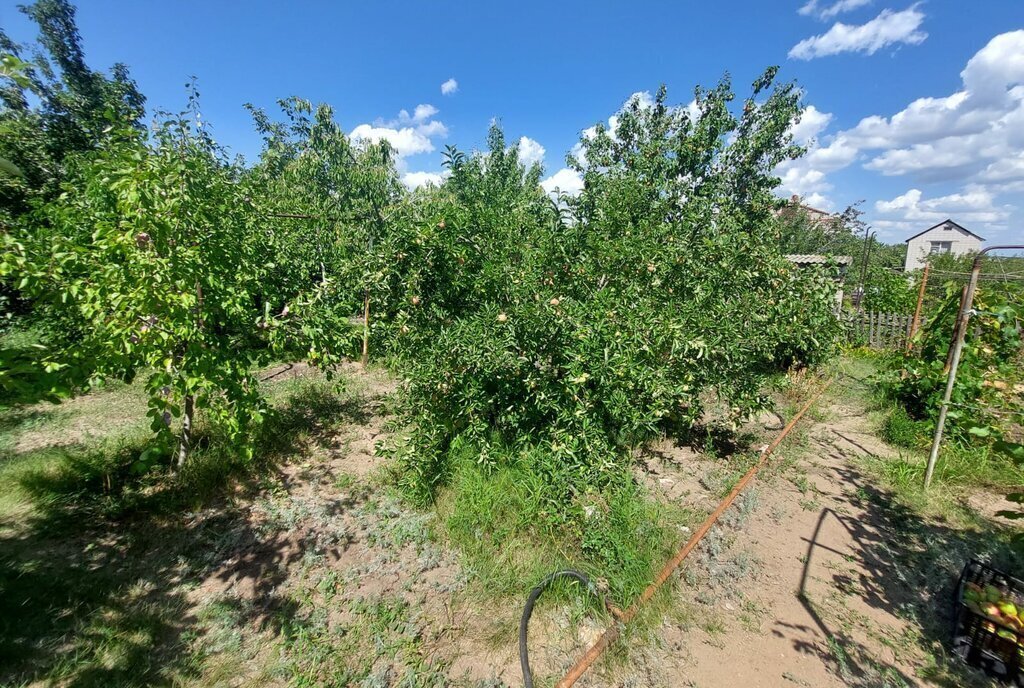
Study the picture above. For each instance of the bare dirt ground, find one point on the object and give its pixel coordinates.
(321, 576)
(788, 595)
(794, 588)
(817, 576)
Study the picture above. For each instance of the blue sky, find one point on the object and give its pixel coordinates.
(899, 120)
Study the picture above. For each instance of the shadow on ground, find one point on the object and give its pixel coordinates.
(904, 565)
(95, 570)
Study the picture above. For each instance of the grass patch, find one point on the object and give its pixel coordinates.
(96, 560)
(499, 519)
(900, 430)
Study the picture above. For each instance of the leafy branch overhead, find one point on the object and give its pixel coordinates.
(565, 331)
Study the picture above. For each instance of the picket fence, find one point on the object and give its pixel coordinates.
(877, 330)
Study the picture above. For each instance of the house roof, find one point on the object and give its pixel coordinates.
(794, 201)
(947, 221)
(815, 259)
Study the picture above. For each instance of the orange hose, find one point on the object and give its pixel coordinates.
(612, 632)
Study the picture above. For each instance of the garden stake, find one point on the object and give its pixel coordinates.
(959, 334)
(613, 631)
(366, 329)
(917, 311)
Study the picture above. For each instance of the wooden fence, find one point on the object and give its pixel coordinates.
(877, 330)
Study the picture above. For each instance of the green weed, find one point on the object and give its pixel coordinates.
(500, 520)
(900, 430)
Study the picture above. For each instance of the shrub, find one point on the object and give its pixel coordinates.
(581, 329)
(900, 430)
(158, 262)
(989, 370)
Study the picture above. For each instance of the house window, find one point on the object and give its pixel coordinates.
(941, 247)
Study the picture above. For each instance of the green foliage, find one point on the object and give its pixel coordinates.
(331, 201)
(889, 291)
(987, 404)
(54, 106)
(876, 267)
(155, 255)
(500, 519)
(548, 337)
(900, 430)
(797, 231)
(585, 327)
(989, 369)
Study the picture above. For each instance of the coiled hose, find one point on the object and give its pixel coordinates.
(524, 622)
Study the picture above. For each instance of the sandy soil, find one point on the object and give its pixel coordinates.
(786, 595)
(783, 593)
(792, 589)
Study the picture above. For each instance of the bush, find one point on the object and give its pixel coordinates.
(577, 331)
(900, 430)
(989, 372)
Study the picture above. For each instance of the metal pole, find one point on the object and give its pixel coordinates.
(864, 268)
(366, 330)
(917, 311)
(958, 343)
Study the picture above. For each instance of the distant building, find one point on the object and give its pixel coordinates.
(813, 214)
(945, 237)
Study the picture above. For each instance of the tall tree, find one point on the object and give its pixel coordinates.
(52, 104)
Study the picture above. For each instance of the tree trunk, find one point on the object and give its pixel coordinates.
(186, 432)
(366, 329)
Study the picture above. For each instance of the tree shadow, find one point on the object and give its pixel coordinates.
(20, 418)
(99, 571)
(903, 564)
(712, 439)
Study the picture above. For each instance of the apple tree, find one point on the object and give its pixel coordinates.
(157, 256)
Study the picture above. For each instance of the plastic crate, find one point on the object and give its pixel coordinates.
(986, 642)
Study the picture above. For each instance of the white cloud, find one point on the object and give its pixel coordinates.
(999, 63)
(811, 123)
(964, 134)
(1009, 169)
(564, 180)
(888, 28)
(692, 110)
(643, 98)
(423, 111)
(530, 151)
(817, 200)
(414, 180)
(432, 128)
(408, 134)
(814, 9)
(972, 138)
(406, 141)
(945, 159)
(925, 119)
(449, 87)
(809, 174)
(975, 204)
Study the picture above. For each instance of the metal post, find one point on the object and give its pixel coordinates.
(958, 344)
(917, 311)
(864, 267)
(366, 330)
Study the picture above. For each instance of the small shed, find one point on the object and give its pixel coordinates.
(840, 263)
(945, 237)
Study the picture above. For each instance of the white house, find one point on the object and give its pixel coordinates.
(945, 237)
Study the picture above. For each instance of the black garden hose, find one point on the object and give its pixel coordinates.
(524, 622)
